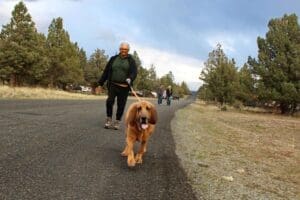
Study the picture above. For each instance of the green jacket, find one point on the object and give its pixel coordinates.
(107, 73)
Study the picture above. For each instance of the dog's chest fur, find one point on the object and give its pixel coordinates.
(140, 135)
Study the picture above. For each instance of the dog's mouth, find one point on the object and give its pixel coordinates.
(144, 122)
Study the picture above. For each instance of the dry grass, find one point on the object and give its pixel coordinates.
(40, 93)
(259, 151)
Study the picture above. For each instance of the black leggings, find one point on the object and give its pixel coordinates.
(121, 93)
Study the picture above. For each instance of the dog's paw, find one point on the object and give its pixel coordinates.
(124, 153)
(131, 162)
(138, 159)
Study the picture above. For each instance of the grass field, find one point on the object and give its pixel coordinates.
(238, 155)
(40, 93)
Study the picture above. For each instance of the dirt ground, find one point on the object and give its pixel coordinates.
(238, 155)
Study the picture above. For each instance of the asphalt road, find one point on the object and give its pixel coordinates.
(60, 150)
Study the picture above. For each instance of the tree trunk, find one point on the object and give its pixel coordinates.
(51, 84)
(294, 107)
(13, 80)
(93, 91)
(64, 86)
(284, 108)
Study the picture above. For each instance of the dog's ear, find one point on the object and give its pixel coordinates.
(153, 117)
(131, 114)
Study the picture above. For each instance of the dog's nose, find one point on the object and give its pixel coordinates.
(144, 119)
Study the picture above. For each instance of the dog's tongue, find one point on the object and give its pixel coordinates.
(144, 126)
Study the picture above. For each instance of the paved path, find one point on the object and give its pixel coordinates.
(59, 150)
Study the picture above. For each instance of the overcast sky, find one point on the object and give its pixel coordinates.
(174, 35)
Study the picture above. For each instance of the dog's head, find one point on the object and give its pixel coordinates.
(143, 113)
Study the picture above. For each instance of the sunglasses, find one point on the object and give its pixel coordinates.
(122, 49)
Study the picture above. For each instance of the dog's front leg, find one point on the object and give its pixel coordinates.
(130, 159)
(125, 151)
(139, 155)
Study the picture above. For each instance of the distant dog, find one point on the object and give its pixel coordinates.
(140, 120)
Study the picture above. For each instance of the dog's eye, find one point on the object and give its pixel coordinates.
(139, 108)
(148, 108)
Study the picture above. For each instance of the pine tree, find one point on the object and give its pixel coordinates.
(185, 89)
(6, 70)
(137, 59)
(139, 79)
(168, 79)
(65, 63)
(278, 65)
(220, 76)
(152, 74)
(246, 91)
(82, 57)
(146, 79)
(95, 67)
(38, 72)
(142, 82)
(153, 79)
(21, 49)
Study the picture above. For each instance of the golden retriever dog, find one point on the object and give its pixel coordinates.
(140, 122)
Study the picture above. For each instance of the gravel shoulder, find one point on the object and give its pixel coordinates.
(238, 155)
